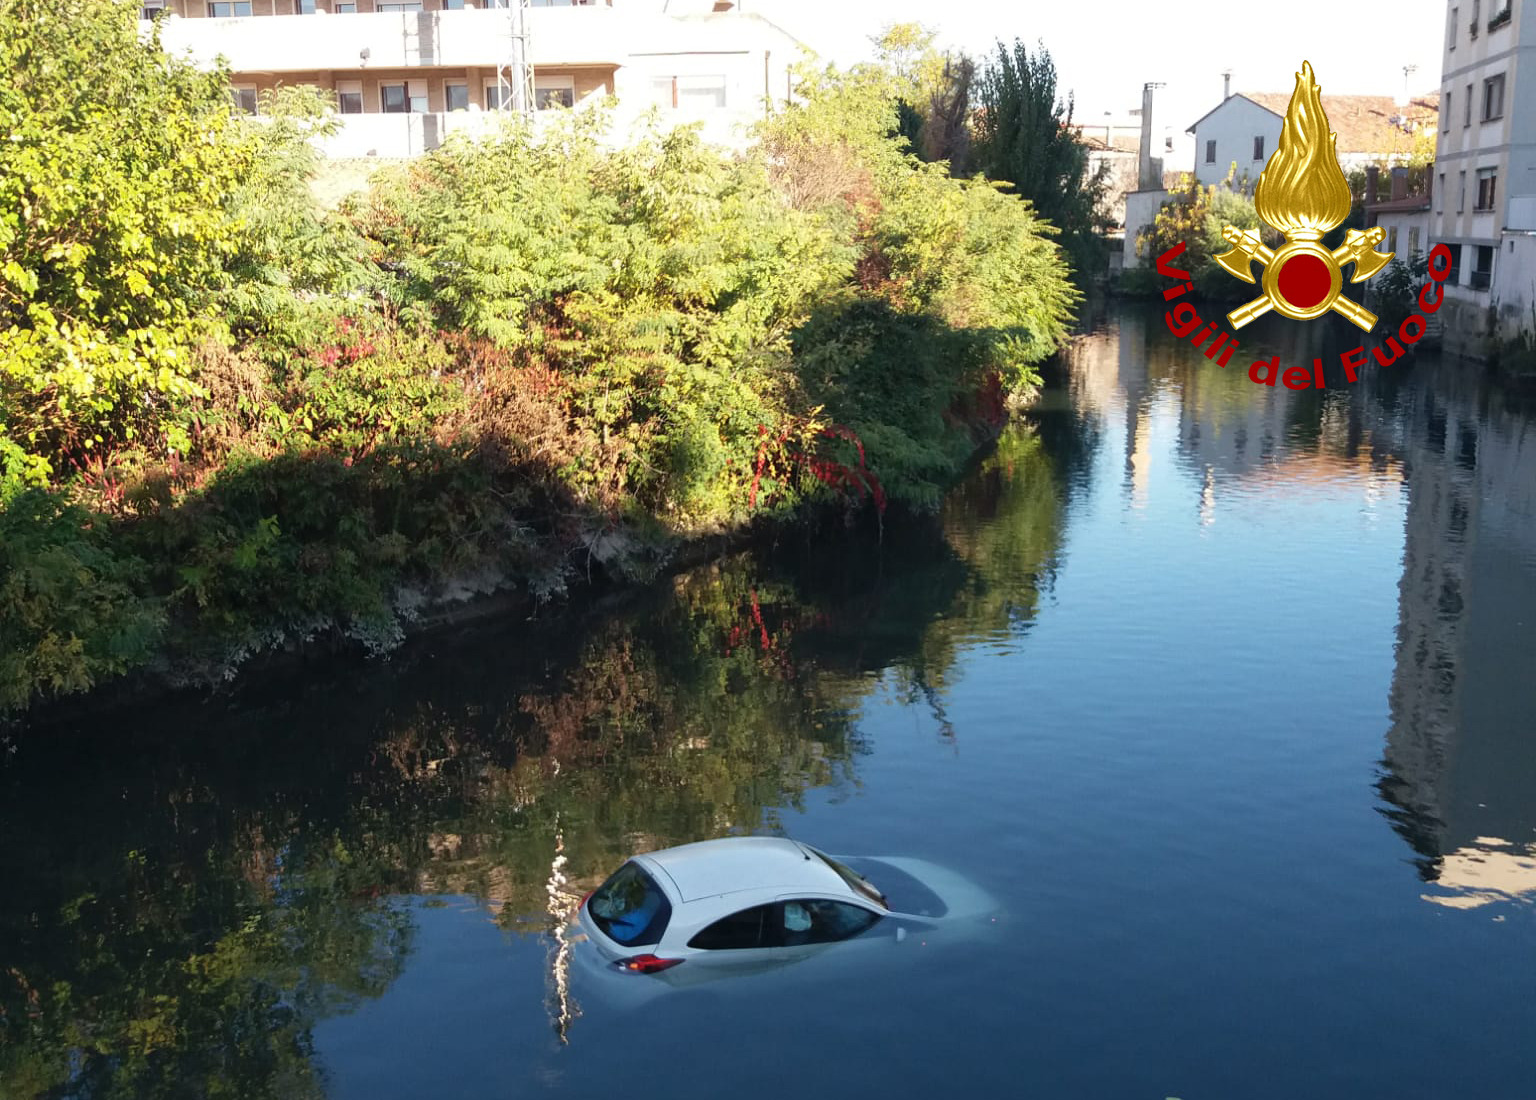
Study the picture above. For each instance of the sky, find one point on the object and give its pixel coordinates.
(1105, 50)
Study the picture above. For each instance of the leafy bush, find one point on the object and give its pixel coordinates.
(1395, 292)
(275, 421)
(1196, 215)
(70, 601)
(114, 224)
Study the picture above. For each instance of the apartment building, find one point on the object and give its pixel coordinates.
(1484, 203)
(407, 73)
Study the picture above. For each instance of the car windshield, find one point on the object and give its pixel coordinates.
(630, 908)
(853, 879)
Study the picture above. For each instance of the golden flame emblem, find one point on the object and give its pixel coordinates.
(1303, 194)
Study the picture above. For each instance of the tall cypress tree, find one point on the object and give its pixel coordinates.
(1024, 135)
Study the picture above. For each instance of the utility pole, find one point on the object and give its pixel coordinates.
(514, 77)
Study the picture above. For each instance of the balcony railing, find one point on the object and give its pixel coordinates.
(588, 34)
(1480, 280)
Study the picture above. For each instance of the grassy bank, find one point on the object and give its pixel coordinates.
(232, 419)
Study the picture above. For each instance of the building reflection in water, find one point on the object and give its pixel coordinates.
(1459, 769)
(1460, 762)
(1233, 435)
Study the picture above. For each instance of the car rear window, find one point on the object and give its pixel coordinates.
(852, 878)
(630, 908)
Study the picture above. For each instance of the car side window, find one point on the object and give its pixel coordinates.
(818, 920)
(749, 928)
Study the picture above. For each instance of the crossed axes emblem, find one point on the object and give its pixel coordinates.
(1302, 279)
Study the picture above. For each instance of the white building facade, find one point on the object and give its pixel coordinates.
(1484, 205)
(1237, 137)
(1242, 131)
(404, 75)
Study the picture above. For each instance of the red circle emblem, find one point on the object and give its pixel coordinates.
(1304, 281)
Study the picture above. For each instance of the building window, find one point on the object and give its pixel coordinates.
(1392, 239)
(1500, 18)
(1440, 195)
(151, 9)
(1413, 241)
(1210, 152)
(701, 92)
(1487, 184)
(1461, 197)
(1455, 15)
(554, 92)
(1477, 6)
(1258, 147)
(1467, 108)
(303, 7)
(1482, 274)
(493, 97)
(456, 96)
(349, 97)
(228, 9)
(244, 97)
(1454, 278)
(347, 7)
(453, 5)
(1493, 98)
(414, 5)
(1445, 111)
(399, 99)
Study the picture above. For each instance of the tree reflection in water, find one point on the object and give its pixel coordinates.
(190, 888)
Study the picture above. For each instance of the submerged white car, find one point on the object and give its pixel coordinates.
(740, 904)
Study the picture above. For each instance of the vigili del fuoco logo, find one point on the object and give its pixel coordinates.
(1303, 194)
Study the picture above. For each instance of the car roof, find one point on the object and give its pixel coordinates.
(738, 863)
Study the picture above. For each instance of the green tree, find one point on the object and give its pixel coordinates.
(933, 92)
(1196, 216)
(1024, 135)
(290, 253)
(115, 175)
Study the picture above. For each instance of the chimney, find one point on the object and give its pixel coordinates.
(1226, 85)
(1148, 177)
(1399, 183)
(1372, 183)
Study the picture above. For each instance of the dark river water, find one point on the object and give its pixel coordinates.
(1226, 693)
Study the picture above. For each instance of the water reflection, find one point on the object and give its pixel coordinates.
(1459, 774)
(1231, 434)
(1460, 762)
(189, 897)
(189, 891)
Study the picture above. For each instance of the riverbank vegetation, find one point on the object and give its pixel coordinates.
(1195, 215)
(230, 419)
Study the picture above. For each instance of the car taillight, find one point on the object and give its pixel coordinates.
(647, 964)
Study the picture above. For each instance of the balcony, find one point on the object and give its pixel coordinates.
(591, 35)
(409, 135)
(404, 135)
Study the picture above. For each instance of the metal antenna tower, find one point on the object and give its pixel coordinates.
(514, 76)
